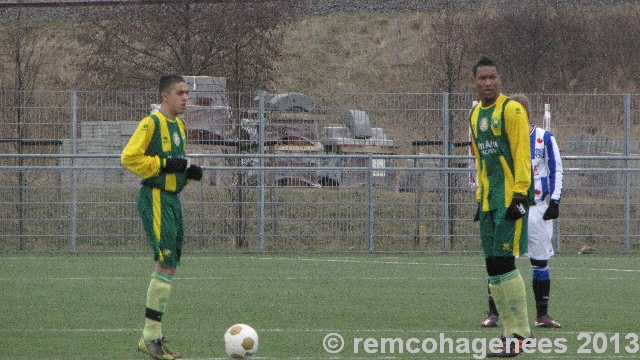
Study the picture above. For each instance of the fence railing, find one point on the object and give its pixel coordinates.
(295, 172)
(391, 203)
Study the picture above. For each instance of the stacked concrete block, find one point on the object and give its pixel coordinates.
(357, 137)
(207, 91)
(358, 123)
(291, 102)
(206, 123)
(98, 138)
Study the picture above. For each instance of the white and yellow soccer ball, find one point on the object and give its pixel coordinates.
(240, 341)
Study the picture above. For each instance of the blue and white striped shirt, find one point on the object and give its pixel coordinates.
(546, 164)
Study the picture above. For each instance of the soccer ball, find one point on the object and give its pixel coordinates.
(240, 341)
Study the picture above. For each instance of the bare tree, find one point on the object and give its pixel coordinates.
(450, 43)
(611, 56)
(131, 46)
(541, 46)
(26, 58)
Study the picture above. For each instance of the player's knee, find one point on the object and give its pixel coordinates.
(539, 263)
(540, 269)
(491, 267)
(499, 265)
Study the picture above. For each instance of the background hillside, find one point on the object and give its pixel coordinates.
(542, 46)
(585, 47)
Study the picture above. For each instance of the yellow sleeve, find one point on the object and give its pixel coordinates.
(473, 116)
(476, 153)
(133, 156)
(517, 127)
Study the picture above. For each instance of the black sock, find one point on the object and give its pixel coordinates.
(492, 304)
(541, 289)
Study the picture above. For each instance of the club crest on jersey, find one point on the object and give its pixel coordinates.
(176, 139)
(484, 124)
(495, 123)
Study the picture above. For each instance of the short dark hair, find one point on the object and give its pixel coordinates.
(167, 81)
(484, 61)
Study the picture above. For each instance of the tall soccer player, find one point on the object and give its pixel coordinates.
(546, 165)
(500, 140)
(156, 153)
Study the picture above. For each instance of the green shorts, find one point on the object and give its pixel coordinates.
(502, 237)
(161, 214)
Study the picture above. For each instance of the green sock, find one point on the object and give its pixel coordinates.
(157, 299)
(506, 317)
(152, 329)
(515, 297)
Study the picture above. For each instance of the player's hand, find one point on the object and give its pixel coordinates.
(476, 217)
(517, 209)
(553, 211)
(194, 172)
(174, 165)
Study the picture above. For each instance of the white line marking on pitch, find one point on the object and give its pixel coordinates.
(349, 331)
(351, 260)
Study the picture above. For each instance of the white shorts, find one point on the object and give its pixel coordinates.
(540, 233)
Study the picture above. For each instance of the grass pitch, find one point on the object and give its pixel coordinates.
(92, 306)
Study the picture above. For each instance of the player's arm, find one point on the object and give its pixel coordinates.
(133, 156)
(479, 179)
(554, 164)
(517, 127)
(476, 153)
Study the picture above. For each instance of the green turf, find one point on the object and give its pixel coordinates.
(91, 306)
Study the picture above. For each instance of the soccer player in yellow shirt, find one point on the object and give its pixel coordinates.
(156, 153)
(500, 140)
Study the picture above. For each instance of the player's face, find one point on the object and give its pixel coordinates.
(487, 84)
(175, 100)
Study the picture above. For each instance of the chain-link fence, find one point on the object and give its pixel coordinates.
(301, 172)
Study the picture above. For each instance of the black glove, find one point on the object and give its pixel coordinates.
(517, 209)
(553, 211)
(476, 217)
(194, 172)
(174, 165)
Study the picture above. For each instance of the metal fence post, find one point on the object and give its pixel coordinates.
(370, 203)
(261, 97)
(627, 174)
(416, 183)
(447, 175)
(74, 173)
